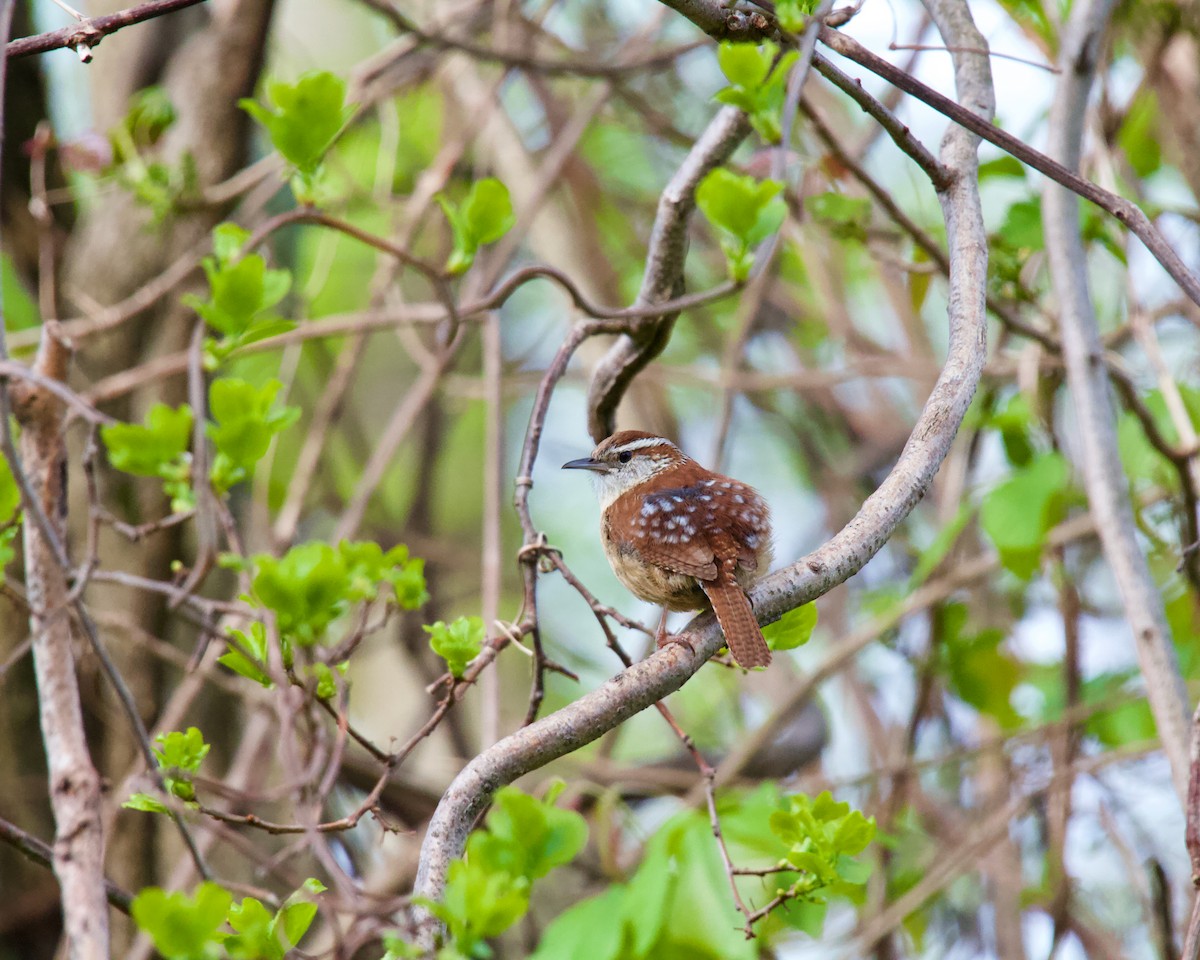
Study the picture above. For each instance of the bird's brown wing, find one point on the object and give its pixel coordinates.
(696, 520)
(698, 530)
(666, 528)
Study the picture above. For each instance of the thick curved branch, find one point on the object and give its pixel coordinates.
(1088, 382)
(636, 688)
(663, 277)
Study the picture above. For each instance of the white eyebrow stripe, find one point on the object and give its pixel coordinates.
(643, 444)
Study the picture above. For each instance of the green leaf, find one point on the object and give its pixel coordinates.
(314, 583)
(244, 425)
(181, 751)
(537, 836)
(1121, 725)
(1015, 422)
(1018, 513)
(306, 117)
(590, 928)
(1142, 461)
(8, 551)
(20, 309)
(487, 212)
(254, 932)
(183, 927)
(228, 241)
(150, 450)
(239, 293)
(458, 643)
(1138, 136)
(178, 755)
(368, 566)
(400, 949)
(297, 918)
(933, 555)
(326, 682)
(745, 65)
(484, 216)
(251, 658)
(1002, 166)
(820, 836)
(745, 210)
(150, 115)
(793, 14)
(307, 588)
(758, 78)
(146, 803)
(10, 496)
(793, 629)
(1022, 227)
(489, 891)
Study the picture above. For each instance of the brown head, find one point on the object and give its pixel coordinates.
(627, 459)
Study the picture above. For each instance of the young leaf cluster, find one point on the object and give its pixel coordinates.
(676, 904)
(210, 926)
(244, 421)
(308, 588)
(745, 211)
(303, 120)
(488, 891)
(156, 448)
(758, 83)
(484, 216)
(178, 756)
(243, 427)
(458, 642)
(821, 839)
(241, 293)
(160, 187)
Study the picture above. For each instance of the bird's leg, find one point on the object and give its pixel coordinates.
(662, 638)
(660, 635)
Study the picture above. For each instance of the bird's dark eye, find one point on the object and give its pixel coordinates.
(625, 456)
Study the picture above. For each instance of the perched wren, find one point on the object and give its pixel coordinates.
(677, 534)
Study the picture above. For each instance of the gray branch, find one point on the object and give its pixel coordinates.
(663, 277)
(1087, 380)
(646, 682)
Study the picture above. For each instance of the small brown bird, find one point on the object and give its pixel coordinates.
(676, 534)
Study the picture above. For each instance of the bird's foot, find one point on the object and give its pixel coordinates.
(666, 639)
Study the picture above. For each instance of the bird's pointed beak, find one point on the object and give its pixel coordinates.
(586, 463)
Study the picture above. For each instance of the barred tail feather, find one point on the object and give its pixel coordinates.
(736, 617)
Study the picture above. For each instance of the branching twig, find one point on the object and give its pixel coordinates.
(1126, 212)
(87, 34)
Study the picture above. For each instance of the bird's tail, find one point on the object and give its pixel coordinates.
(736, 617)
